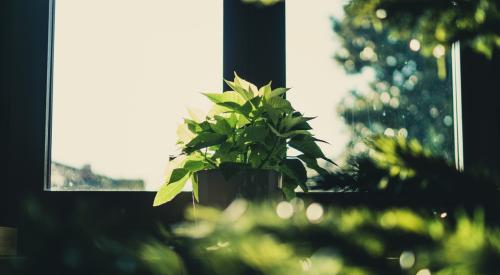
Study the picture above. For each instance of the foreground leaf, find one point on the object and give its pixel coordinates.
(168, 191)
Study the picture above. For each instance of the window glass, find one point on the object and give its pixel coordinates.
(360, 81)
(124, 73)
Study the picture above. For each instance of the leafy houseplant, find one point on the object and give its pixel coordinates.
(247, 128)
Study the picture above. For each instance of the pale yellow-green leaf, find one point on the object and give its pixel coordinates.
(173, 164)
(184, 135)
(168, 191)
(196, 114)
(278, 92)
(265, 91)
(217, 110)
(245, 84)
(229, 96)
(240, 90)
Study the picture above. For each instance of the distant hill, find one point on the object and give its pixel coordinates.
(67, 178)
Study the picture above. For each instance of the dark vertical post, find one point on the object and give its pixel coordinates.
(481, 110)
(23, 75)
(254, 42)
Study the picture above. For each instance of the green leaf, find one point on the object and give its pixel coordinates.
(204, 140)
(296, 119)
(294, 133)
(256, 133)
(195, 165)
(289, 188)
(232, 120)
(313, 164)
(276, 132)
(295, 170)
(168, 191)
(280, 104)
(196, 114)
(241, 121)
(320, 140)
(192, 125)
(308, 146)
(265, 91)
(302, 126)
(221, 126)
(217, 110)
(278, 92)
(235, 107)
(289, 134)
(247, 95)
(229, 96)
(245, 84)
(227, 152)
(177, 174)
(257, 153)
(254, 102)
(184, 134)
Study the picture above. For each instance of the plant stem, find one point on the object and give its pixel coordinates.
(207, 159)
(270, 153)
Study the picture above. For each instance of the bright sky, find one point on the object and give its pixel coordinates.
(318, 82)
(125, 73)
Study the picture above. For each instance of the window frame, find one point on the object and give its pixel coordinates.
(245, 28)
(27, 74)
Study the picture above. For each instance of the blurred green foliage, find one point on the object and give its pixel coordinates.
(398, 166)
(405, 98)
(295, 238)
(300, 237)
(434, 23)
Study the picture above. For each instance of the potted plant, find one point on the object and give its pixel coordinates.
(240, 146)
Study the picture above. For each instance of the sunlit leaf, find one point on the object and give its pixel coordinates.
(177, 174)
(247, 95)
(280, 104)
(296, 122)
(168, 191)
(204, 140)
(196, 114)
(265, 91)
(194, 165)
(230, 96)
(184, 134)
(278, 92)
(221, 126)
(240, 109)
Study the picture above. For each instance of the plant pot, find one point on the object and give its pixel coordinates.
(219, 190)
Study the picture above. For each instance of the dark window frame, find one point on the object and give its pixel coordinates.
(23, 76)
(256, 52)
